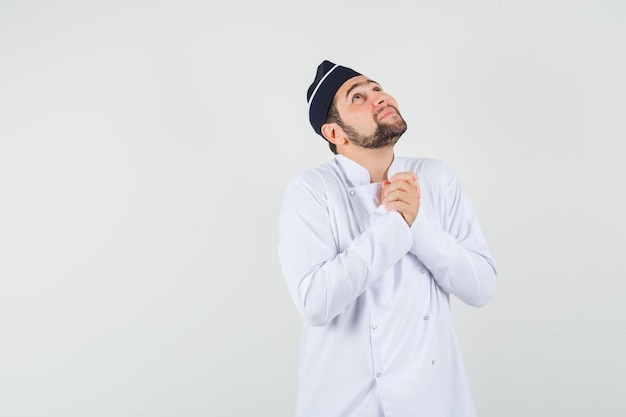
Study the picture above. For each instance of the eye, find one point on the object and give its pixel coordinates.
(357, 96)
(378, 88)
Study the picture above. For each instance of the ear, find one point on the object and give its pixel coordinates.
(334, 133)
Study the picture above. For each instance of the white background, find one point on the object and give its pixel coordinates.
(145, 146)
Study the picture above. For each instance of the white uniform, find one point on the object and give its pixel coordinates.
(377, 335)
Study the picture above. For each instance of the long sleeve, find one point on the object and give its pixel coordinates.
(323, 278)
(377, 333)
(452, 246)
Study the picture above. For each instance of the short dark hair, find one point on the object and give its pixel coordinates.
(333, 117)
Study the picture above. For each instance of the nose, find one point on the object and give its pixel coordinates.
(380, 99)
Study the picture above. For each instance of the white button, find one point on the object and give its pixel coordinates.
(422, 270)
(378, 374)
(374, 326)
(351, 192)
(433, 361)
(426, 317)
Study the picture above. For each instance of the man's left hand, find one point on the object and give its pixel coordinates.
(402, 193)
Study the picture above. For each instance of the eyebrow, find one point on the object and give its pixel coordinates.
(368, 81)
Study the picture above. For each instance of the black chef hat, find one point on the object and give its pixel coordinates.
(328, 79)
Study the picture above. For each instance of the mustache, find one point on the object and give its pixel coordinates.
(385, 108)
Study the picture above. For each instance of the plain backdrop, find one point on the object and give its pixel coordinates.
(145, 147)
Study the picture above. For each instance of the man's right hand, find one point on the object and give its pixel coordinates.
(402, 193)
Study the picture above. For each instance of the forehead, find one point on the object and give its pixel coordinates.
(353, 84)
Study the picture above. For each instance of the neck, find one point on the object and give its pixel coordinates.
(376, 161)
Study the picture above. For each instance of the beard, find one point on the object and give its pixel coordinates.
(386, 134)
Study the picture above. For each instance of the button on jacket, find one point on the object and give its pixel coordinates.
(377, 336)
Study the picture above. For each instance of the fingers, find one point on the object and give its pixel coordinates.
(411, 177)
(402, 193)
(394, 190)
(407, 210)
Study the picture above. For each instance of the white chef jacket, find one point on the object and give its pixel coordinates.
(377, 336)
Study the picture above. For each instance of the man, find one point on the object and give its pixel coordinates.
(371, 246)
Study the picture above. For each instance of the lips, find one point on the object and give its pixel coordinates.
(386, 112)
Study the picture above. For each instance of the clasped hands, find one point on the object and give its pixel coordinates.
(402, 193)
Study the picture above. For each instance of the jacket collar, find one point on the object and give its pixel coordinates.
(357, 174)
